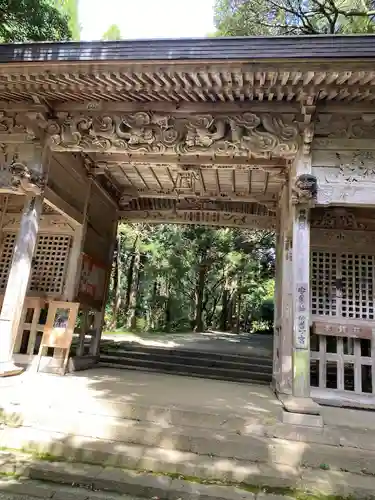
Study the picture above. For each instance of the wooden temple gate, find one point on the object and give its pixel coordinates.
(266, 134)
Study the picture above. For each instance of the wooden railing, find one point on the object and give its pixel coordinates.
(342, 353)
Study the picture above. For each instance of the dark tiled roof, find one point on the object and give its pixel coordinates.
(243, 48)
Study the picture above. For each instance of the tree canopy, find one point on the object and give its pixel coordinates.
(179, 278)
(293, 17)
(33, 20)
(70, 9)
(112, 33)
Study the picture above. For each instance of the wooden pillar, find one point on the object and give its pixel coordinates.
(283, 384)
(73, 276)
(75, 258)
(99, 316)
(80, 351)
(277, 311)
(302, 195)
(18, 280)
(299, 408)
(301, 302)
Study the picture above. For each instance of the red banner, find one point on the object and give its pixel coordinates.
(92, 278)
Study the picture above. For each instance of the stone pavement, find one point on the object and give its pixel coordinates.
(124, 421)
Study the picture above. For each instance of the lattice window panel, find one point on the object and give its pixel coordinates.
(7, 247)
(323, 277)
(343, 364)
(342, 285)
(49, 263)
(357, 274)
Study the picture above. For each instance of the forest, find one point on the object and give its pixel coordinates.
(181, 278)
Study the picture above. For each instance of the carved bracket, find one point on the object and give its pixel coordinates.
(308, 110)
(15, 172)
(245, 134)
(305, 190)
(25, 179)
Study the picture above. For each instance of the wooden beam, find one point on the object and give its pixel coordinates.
(181, 107)
(55, 201)
(261, 198)
(343, 108)
(202, 217)
(113, 159)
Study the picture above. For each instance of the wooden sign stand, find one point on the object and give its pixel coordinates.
(59, 329)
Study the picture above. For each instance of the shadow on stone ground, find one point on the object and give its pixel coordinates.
(98, 427)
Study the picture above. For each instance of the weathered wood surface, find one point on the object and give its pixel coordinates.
(342, 329)
(16, 289)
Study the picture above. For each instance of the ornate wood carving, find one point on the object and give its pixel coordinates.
(346, 126)
(308, 111)
(352, 181)
(337, 218)
(201, 217)
(243, 134)
(304, 190)
(16, 173)
(172, 205)
(17, 151)
(359, 166)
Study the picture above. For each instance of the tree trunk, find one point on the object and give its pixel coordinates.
(230, 313)
(153, 308)
(238, 312)
(129, 278)
(199, 326)
(138, 290)
(116, 285)
(133, 290)
(224, 310)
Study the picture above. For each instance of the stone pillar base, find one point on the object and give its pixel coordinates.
(9, 369)
(300, 411)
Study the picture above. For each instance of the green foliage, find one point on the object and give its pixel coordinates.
(33, 20)
(176, 278)
(293, 17)
(70, 9)
(112, 33)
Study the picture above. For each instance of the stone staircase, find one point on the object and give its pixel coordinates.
(156, 450)
(244, 368)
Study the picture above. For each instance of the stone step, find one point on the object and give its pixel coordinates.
(18, 413)
(21, 488)
(189, 363)
(239, 363)
(102, 482)
(184, 351)
(186, 370)
(164, 448)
